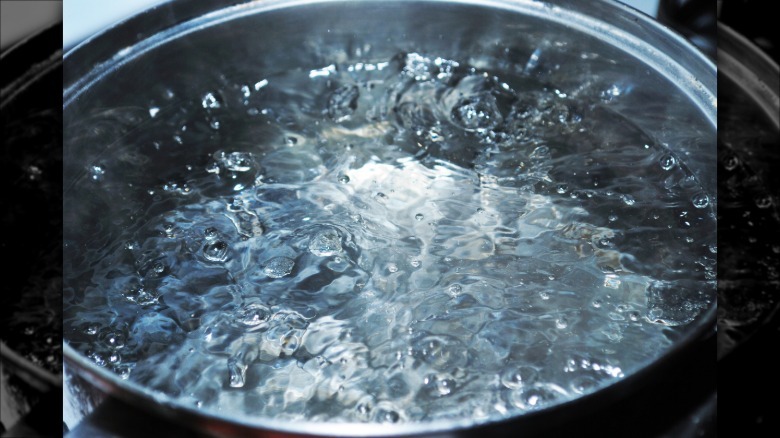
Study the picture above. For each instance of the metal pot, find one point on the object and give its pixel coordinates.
(115, 69)
(748, 322)
(749, 123)
(30, 354)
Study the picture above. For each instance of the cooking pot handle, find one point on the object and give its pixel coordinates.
(116, 419)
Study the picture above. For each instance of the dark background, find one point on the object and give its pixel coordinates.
(749, 381)
(755, 19)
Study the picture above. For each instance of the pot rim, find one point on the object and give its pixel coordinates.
(83, 69)
(27, 60)
(700, 86)
(751, 69)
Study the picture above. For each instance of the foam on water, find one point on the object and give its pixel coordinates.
(409, 240)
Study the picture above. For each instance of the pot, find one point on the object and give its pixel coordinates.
(749, 134)
(30, 352)
(749, 125)
(114, 87)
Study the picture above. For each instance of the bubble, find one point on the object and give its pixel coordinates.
(216, 251)
(123, 371)
(418, 67)
(476, 113)
(343, 102)
(140, 296)
(418, 217)
(99, 359)
(583, 384)
(561, 323)
(153, 111)
(392, 267)
(363, 410)
(114, 358)
(439, 385)
(655, 314)
(211, 101)
(730, 162)
(210, 233)
(628, 200)
(610, 93)
(514, 378)
(96, 172)
(700, 200)
(446, 68)
(235, 161)
(537, 396)
(34, 172)
(289, 343)
(290, 141)
(455, 289)
(261, 84)
(236, 373)
(114, 340)
(611, 281)
(343, 178)
(667, 162)
(325, 243)
(278, 267)
(440, 351)
(540, 154)
(235, 205)
(415, 263)
(764, 201)
(385, 416)
(614, 331)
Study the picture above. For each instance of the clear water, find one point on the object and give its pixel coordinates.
(406, 240)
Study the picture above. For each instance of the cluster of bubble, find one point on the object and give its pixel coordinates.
(410, 240)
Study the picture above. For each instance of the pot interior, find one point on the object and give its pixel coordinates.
(432, 213)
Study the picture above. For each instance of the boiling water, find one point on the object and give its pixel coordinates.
(401, 241)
